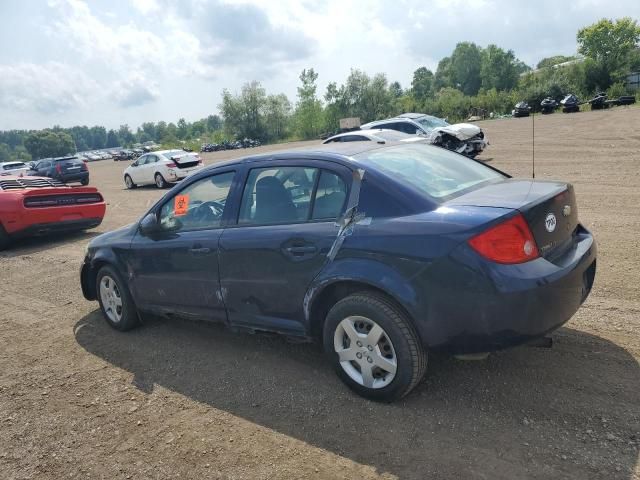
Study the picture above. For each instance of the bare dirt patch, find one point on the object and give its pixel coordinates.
(176, 399)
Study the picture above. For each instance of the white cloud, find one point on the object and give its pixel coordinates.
(50, 88)
(135, 91)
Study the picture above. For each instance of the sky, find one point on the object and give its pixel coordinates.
(113, 62)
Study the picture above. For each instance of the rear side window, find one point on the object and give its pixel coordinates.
(331, 195)
(433, 171)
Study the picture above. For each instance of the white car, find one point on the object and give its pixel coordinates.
(380, 135)
(464, 138)
(161, 168)
(19, 169)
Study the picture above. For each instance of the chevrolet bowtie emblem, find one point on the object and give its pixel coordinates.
(566, 211)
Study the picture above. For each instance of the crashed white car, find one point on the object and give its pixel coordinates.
(464, 138)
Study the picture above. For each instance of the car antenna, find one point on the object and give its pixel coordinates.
(533, 135)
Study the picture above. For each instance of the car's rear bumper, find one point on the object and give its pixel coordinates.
(176, 174)
(484, 306)
(38, 229)
(74, 177)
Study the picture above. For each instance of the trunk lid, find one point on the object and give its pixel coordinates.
(548, 207)
(185, 161)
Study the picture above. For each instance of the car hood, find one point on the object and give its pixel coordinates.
(462, 131)
(121, 235)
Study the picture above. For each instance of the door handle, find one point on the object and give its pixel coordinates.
(200, 250)
(301, 250)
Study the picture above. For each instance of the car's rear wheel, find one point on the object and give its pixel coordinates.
(84, 181)
(129, 183)
(5, 240)
(160, 181)
(115, 300)
(373, 347)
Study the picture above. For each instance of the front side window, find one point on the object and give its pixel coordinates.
(199, 205)
(277, 195)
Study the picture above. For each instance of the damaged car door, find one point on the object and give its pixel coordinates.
(174, 254)
(286, 227)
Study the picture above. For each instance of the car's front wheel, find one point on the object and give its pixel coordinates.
(373, 347)
(115, 300)
(129, 183)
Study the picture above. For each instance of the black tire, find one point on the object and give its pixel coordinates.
(160, 181)
(411, 357)
(129, 315)
(129, 183)
(84, 181)
(5, 240)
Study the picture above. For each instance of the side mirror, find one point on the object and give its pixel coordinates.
(134, 164)
(149, 224)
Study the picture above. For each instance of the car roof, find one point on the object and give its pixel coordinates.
(371, 133)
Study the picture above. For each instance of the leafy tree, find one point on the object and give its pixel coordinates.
(609, 41)
(395, 90)
(112, 139)
(48, 143)
(610, 45)
(277, 116)
(98, 137)
(464, 68)
(183, 129)
(498, 69)
(125, 135)
(308, 109)
(422, 83)
(5, 152)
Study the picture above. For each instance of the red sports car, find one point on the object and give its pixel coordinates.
(36, 206)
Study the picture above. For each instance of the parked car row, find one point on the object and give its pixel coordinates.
(571, 104)
(230, 145)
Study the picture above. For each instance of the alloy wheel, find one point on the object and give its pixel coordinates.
(365, 352)
(111, 299)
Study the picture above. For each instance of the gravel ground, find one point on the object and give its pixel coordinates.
(177, 399)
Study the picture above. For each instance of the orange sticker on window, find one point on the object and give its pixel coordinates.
(181, 205)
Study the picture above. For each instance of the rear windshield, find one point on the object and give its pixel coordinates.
(13, 166)
(434, 171)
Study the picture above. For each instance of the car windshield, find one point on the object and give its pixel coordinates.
(434, 171)
(429, 123)
(174, 153)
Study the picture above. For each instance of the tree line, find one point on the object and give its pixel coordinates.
(473, 77)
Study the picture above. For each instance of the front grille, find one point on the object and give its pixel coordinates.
(25, 182)
(62, 200)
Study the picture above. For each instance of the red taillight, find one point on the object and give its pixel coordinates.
(84, 166)
(508, 242)
(58, 168)
(171, 165)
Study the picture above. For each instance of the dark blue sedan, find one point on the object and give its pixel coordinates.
(383, 252)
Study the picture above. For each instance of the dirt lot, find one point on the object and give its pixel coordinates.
(176, 399)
